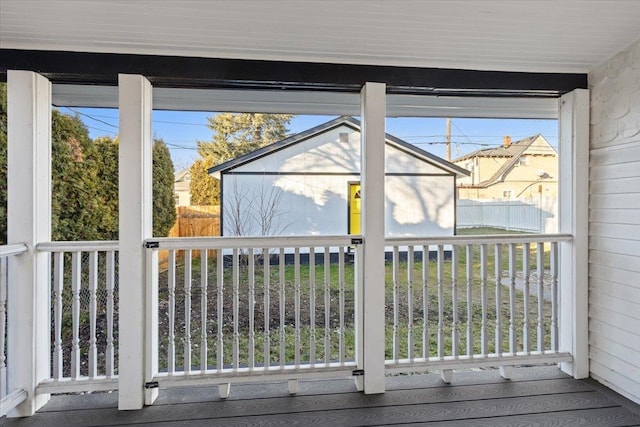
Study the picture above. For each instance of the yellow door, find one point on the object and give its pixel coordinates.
(354, 208)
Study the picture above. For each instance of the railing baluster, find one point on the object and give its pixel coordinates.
(282, 303)
(110, 283)
(296, 267)
(498, 274)
(341, 304)
(171, 346)
(455, 338)
(58, 288)
(312, 306)
(220, 310)
(440, 278)
(484, 334)
(267, 315)
(252, 308)
(526, 267)
(327, 305)
(540, 272)
(554, 295)
(469, 276)
(236, 302)
(396, 304)
(426, 342)
(204, 283)
(410, 276)
(76, 266)
(93, 312)
(512, 299)
(187, 311)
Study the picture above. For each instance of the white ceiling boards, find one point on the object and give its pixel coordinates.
(515, 35)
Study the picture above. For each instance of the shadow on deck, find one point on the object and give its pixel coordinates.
(541, 396)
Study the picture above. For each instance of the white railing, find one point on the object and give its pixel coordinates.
(473, 301)
(84, 295)
(237, 308)
(9, 399)
(243, 309)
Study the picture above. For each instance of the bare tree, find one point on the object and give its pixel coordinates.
(254, 211)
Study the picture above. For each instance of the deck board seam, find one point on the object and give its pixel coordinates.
(248, 417)
(355, 407)
(394, 405)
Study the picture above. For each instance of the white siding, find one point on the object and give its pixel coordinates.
(317, 204)
(614, 223)
(310, 182)
(324, 153)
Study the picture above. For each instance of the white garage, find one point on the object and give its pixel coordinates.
(309, 184)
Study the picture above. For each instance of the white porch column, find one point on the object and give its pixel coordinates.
(135, 199)
(373, 107)
(573, 212)
(29, 222)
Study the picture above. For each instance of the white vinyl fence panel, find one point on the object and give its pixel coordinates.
(515, 215)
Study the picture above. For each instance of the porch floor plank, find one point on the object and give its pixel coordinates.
(534, 396)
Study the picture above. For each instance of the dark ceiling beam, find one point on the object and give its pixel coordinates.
(188, 72)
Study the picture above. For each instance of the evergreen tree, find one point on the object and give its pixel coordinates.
(106, 150)
(84, 174)
(235, 134)
(205, 189)
(84, 199)
(164, 205)
(77, 210)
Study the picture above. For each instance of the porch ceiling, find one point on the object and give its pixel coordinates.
(540, 36)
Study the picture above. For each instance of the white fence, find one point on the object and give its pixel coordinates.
(515, 215)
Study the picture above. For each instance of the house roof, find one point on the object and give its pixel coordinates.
(514, 149)
(511, 154)
(325, 127)
(182, 175)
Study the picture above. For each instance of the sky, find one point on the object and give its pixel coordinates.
(180, 130)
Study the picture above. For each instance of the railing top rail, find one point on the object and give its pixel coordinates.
(480, 239)
(15, 249)
(252, 242)
(81, 246)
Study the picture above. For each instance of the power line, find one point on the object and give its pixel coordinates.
(91, 117)
(101, 130)
(181, 123)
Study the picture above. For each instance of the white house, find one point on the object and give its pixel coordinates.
(181, 187)
(310, 185)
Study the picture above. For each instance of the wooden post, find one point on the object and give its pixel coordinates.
(136, 328)
(29, 222)
(573, 211)
(373, 106)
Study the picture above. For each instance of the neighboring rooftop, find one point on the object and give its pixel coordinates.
(511, 152)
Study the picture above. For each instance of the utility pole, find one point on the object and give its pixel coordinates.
(448, 136)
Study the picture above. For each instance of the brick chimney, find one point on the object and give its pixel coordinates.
(507, 141)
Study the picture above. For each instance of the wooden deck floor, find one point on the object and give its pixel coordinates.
(534, 396)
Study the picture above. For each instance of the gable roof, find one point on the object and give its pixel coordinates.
(182, 175)
(325, 127)
(511, 154)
